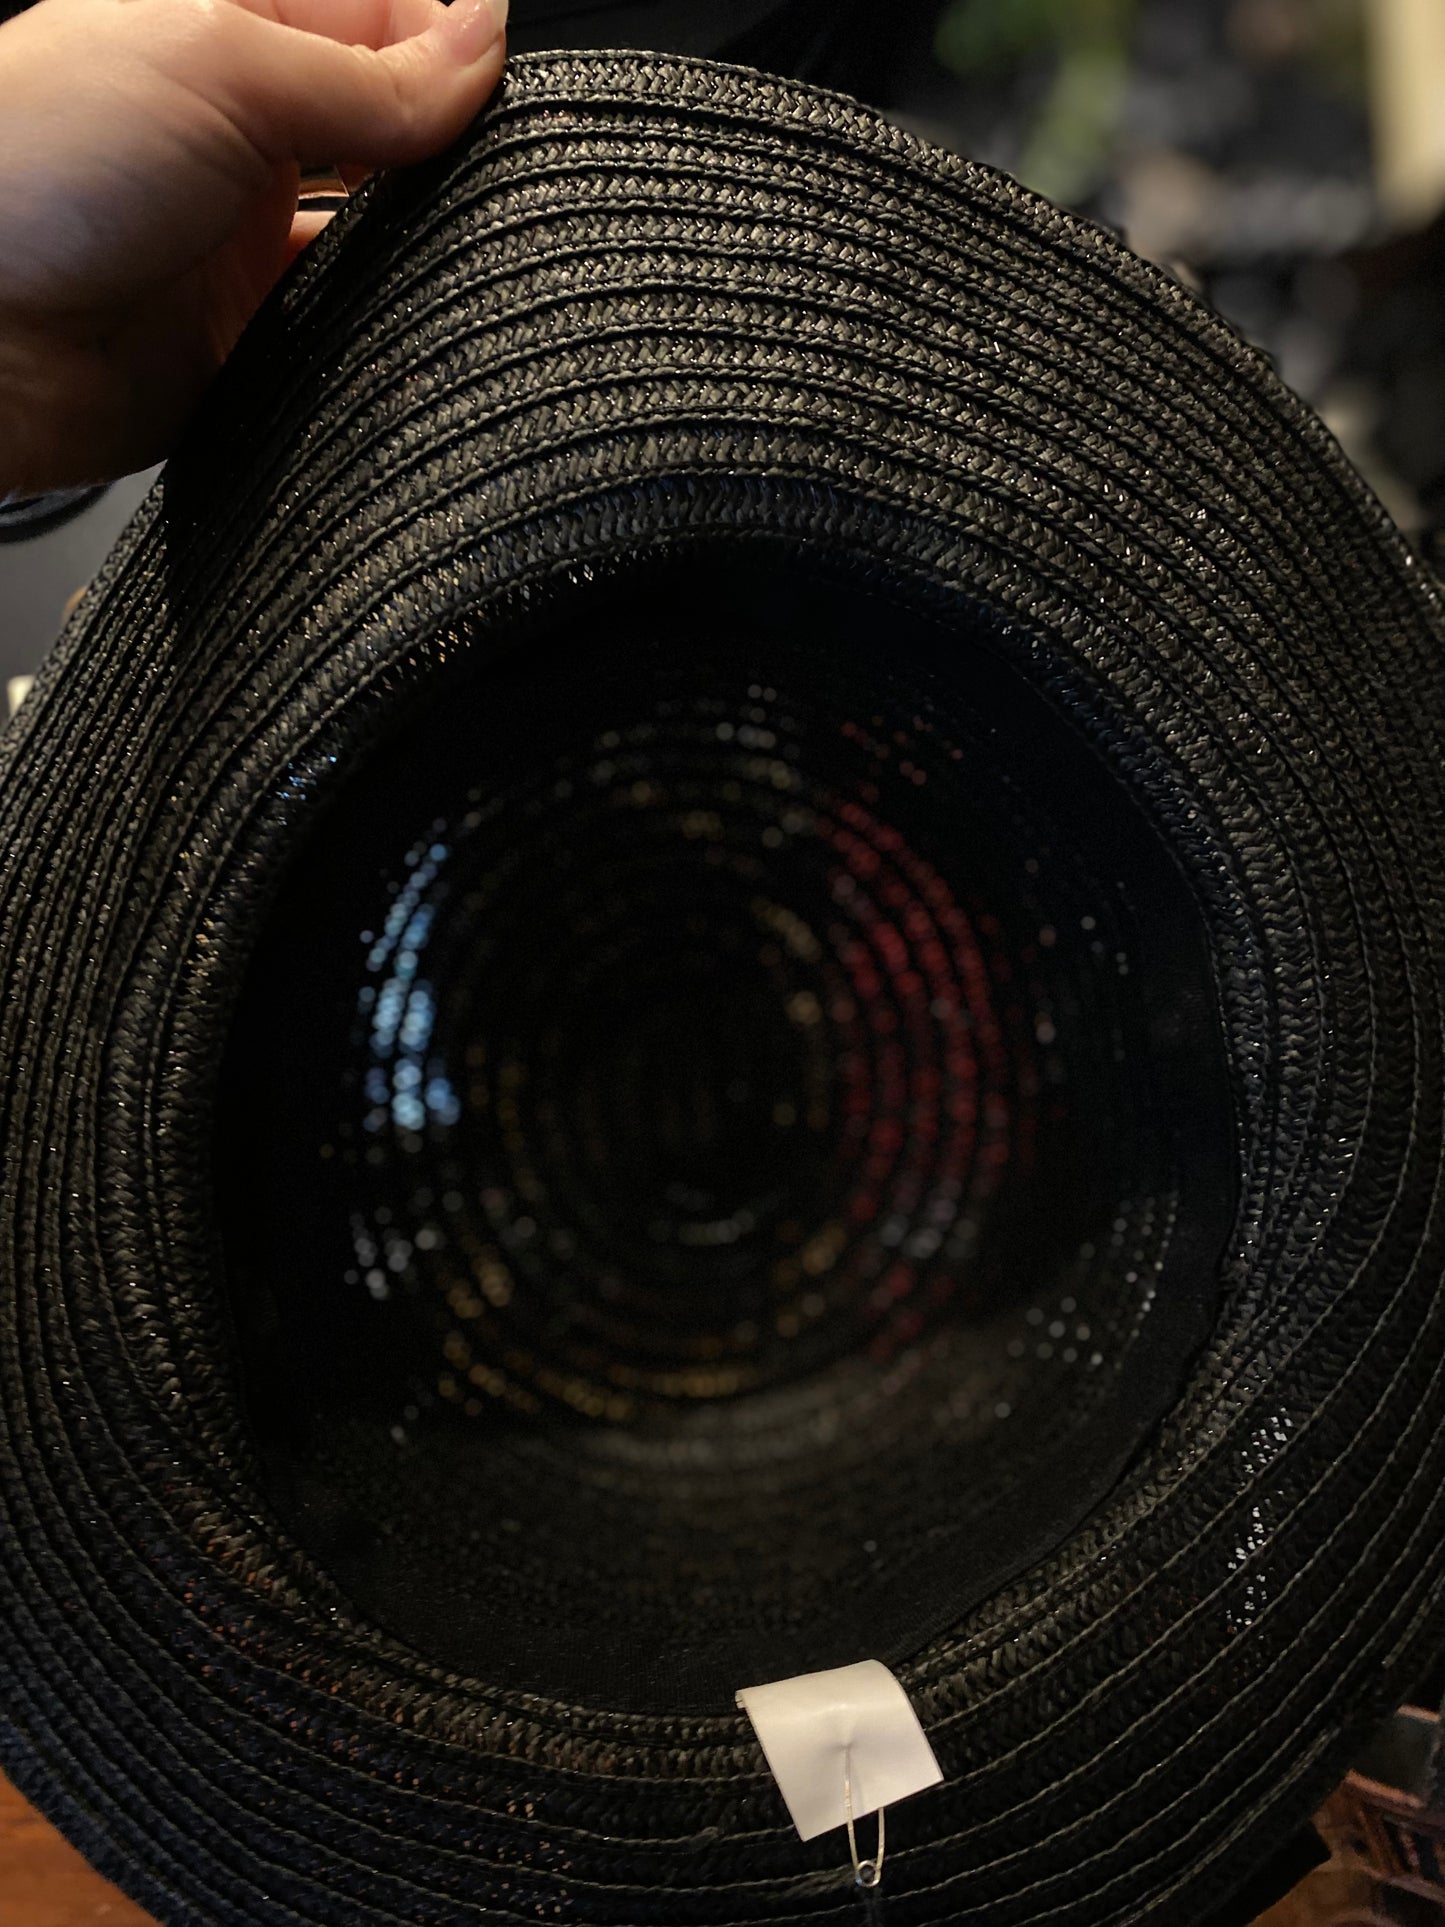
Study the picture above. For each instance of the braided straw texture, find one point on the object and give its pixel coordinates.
(650, 303)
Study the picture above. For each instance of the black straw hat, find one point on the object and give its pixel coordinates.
(721, 949)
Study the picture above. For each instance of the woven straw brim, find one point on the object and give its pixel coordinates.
(652, 303)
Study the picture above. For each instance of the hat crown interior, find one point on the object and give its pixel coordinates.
(727, 1146)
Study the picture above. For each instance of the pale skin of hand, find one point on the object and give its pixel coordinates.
(150, 152)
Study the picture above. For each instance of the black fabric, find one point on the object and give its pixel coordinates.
(845, 44)
(660, 26)
(25, 516)
(651, 314)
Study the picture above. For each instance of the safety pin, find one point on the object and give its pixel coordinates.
(866, 1873)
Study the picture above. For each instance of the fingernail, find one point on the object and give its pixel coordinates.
(470, 28)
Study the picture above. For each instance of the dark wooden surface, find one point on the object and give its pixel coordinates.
(45, 1883)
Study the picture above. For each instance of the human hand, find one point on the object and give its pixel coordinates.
(150, 152)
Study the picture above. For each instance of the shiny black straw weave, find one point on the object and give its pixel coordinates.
(890, 1100)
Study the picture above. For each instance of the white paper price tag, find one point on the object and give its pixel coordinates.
(850, 1731)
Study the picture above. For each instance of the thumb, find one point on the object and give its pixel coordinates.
(297, 95)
